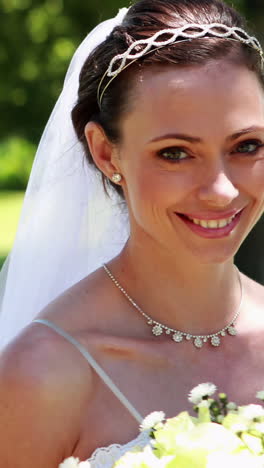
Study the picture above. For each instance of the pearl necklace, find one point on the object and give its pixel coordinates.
(177, 335)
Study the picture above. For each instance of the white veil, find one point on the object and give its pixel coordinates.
(68, 226)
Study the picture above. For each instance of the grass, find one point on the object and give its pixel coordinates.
(10, 206)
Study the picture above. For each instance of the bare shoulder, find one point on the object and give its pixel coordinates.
(42, 356)
(45, 382)
(43, 392)
(91, 305)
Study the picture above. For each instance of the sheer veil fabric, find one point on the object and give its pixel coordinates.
(68, 226)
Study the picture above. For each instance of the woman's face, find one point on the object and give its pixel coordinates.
(192, 158)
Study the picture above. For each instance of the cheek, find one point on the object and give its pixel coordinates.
(254, 180)
(156, 189)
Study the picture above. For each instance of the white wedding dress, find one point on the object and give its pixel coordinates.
(105, 457)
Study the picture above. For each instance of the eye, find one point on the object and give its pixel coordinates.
(249, 147)
(174, 154)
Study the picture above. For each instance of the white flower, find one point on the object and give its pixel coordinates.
(70, 463)
(74, 463)
(151, 420)
(239, 427)
(259, 427)
(201, 391)
(251, 412)
(243, 459)
(152, 461)
(260, 395)
(144, 458)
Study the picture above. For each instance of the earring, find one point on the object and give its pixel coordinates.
(116, 178)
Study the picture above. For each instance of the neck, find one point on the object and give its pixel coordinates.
(178, 292)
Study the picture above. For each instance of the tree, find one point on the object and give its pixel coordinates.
(37, 40)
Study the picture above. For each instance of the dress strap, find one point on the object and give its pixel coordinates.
(98, 369)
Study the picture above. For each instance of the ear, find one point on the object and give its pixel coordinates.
(104, 153)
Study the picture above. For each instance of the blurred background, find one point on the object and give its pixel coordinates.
(37, 40)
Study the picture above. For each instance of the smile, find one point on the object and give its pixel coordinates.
(212, 228)
(212, 224)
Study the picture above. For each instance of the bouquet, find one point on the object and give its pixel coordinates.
(221, 434)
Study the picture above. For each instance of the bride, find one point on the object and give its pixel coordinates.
(170, 118)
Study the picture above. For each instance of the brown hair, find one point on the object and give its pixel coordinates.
(144, 19)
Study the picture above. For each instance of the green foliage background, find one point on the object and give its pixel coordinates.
(37, 40)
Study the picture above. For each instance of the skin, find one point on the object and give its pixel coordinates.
(214, 102)
(67, 408)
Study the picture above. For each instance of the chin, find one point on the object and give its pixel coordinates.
(209, 255)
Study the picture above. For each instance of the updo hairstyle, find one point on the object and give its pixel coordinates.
(143, 20)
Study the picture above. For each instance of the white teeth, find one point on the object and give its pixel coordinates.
(224, 222)
(212, 223)
(204, 223)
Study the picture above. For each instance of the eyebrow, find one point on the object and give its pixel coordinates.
(192, 139)
(236, 135)
(177, 136)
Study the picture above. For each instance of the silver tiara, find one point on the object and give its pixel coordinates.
(121, 61)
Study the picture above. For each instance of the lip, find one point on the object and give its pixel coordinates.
(212, 233)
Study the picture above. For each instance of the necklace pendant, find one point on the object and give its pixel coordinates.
(177, 337)
(157, 330)
(215, 341)
(198, 343)
(232, 331)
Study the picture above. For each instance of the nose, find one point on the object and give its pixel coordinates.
(217, 189)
